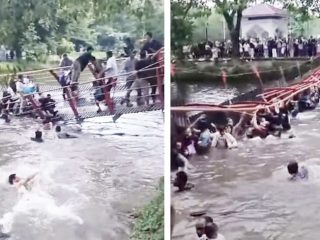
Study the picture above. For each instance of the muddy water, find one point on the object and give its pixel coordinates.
(247, 191)
(86, 187)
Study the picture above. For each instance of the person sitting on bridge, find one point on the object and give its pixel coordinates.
(296, 172)
(78, 66)
(48, 105)
(222, 139)
(151, 46)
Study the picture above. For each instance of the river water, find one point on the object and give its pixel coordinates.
(246, 190)
(86, 187)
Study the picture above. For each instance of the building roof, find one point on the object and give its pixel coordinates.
(264, 10)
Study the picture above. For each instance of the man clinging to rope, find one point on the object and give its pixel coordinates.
(79, 65)
(110, 73)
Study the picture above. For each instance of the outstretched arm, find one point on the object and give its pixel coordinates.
(30, 178)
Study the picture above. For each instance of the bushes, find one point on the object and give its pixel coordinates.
(64, 46)
(150, 223)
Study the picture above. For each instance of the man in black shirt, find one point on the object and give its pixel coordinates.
(152, 45)
(146, 76)
(80, 64)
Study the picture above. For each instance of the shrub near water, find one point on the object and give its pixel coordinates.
(150, 223)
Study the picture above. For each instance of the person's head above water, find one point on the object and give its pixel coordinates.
(200, 228)
(208, 219)
(181, 180)
(293, 168)
(37, 137)
(221, 129)
(58, 129)
(211, 230)
(13, 178)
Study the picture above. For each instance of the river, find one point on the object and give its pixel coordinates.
(87, 186)
(247, 191)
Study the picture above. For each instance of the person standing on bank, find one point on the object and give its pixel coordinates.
(78, 66)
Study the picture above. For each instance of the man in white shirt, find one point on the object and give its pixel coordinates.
(111, 68)
(222, 139)
(20, 88)
(111, 73)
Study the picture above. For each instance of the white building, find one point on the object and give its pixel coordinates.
(264, 21)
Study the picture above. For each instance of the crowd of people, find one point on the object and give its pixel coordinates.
(14, 99)
(205, 135)
(255, 48)
(141, 77)
(141, 74)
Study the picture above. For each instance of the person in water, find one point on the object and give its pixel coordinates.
(222, 139)
(296, 172)
(178, 161)
(211, 231)
(38, 137)
(5, 116)
(19, 182)
(62, 135)
(181, 182)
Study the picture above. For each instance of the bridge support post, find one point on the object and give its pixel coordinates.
(160, 76)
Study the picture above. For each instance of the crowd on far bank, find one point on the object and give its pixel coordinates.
(255, 48)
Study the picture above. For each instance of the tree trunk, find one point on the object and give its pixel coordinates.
(17, 47)
(18, 53)
(234, 30)
(235, 35)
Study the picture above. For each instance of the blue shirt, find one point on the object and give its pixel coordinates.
(205, 138)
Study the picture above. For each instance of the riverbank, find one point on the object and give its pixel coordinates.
(239, 72)
(150, 222)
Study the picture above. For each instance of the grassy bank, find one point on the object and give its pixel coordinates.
(150, 222)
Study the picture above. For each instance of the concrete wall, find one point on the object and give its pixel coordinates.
(264, 25)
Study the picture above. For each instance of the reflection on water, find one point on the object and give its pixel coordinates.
(246, 190)
(86, 186)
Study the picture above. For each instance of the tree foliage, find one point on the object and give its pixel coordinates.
(183, 16)
(39, 26)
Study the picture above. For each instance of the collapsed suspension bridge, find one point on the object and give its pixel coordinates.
(83, 105)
